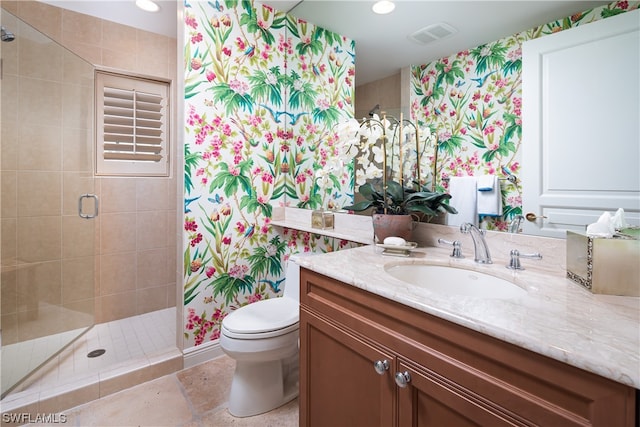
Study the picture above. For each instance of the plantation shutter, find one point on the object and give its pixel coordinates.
(132, 126)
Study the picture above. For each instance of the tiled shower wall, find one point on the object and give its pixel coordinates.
(136, 230)
(385, 92)
(47, 249)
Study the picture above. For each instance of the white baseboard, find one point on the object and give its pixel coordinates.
(196, 355)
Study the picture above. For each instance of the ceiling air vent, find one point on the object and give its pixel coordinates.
(432, 33)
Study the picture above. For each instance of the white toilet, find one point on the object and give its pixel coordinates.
(263, 339)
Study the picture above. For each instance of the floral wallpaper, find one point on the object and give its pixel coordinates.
(263, 93)
(472, 100)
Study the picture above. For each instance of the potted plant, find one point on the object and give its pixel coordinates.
(395, 209)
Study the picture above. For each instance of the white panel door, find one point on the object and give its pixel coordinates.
(581, 125)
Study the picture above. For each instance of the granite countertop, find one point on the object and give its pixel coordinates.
(557, 318)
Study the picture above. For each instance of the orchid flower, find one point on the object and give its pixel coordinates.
(378, 153)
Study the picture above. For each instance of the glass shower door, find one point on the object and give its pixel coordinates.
(46, 200)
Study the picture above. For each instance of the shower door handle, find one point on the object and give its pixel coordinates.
(95, 206)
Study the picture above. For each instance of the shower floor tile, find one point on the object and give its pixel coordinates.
(130, 344)
(26, 356)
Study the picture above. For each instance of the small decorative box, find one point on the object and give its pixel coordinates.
(322, 219)
(604, 266)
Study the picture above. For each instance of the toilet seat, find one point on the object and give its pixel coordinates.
(263, 319)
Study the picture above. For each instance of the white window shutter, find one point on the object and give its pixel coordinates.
(132, 126)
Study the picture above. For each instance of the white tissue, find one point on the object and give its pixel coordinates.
(618, 220)
(606, 225)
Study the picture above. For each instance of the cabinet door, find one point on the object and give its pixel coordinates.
(429, 399)
(339, 385)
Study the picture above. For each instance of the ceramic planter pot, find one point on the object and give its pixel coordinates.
(392, 225)
(441, 218)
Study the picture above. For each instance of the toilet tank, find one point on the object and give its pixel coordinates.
(292, 281)
(292, 277)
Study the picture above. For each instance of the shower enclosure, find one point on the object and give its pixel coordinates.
(47, 204)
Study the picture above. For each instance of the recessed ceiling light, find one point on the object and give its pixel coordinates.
(147, 5)
(383, 7)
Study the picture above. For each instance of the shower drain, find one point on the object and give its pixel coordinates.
(96, 353)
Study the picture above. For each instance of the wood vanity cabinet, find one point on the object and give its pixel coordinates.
(452, 376)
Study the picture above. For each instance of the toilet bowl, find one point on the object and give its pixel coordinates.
(262, 337)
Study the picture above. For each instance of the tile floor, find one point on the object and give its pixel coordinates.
(193, 397)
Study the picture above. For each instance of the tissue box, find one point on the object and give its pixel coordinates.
(604, 266)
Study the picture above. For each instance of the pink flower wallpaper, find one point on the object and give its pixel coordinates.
(263, 92)
(472, 100)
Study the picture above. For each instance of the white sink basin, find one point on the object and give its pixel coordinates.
(455, 281)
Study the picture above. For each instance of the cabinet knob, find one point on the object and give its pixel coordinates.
(381, 366)
(403, 379)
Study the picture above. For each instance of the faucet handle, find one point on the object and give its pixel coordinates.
(514, 263)
(466, 228)
(457, 247)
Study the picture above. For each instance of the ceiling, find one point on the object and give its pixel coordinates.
(382, 44)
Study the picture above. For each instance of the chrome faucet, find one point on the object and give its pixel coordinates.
(514, 225)
(482, 254)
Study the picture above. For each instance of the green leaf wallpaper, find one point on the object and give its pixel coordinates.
(473, 101)
(263, 92)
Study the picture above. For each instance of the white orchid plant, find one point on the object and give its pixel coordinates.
(377, 144)
(395, 147)
(400, 146)
(344, 147)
